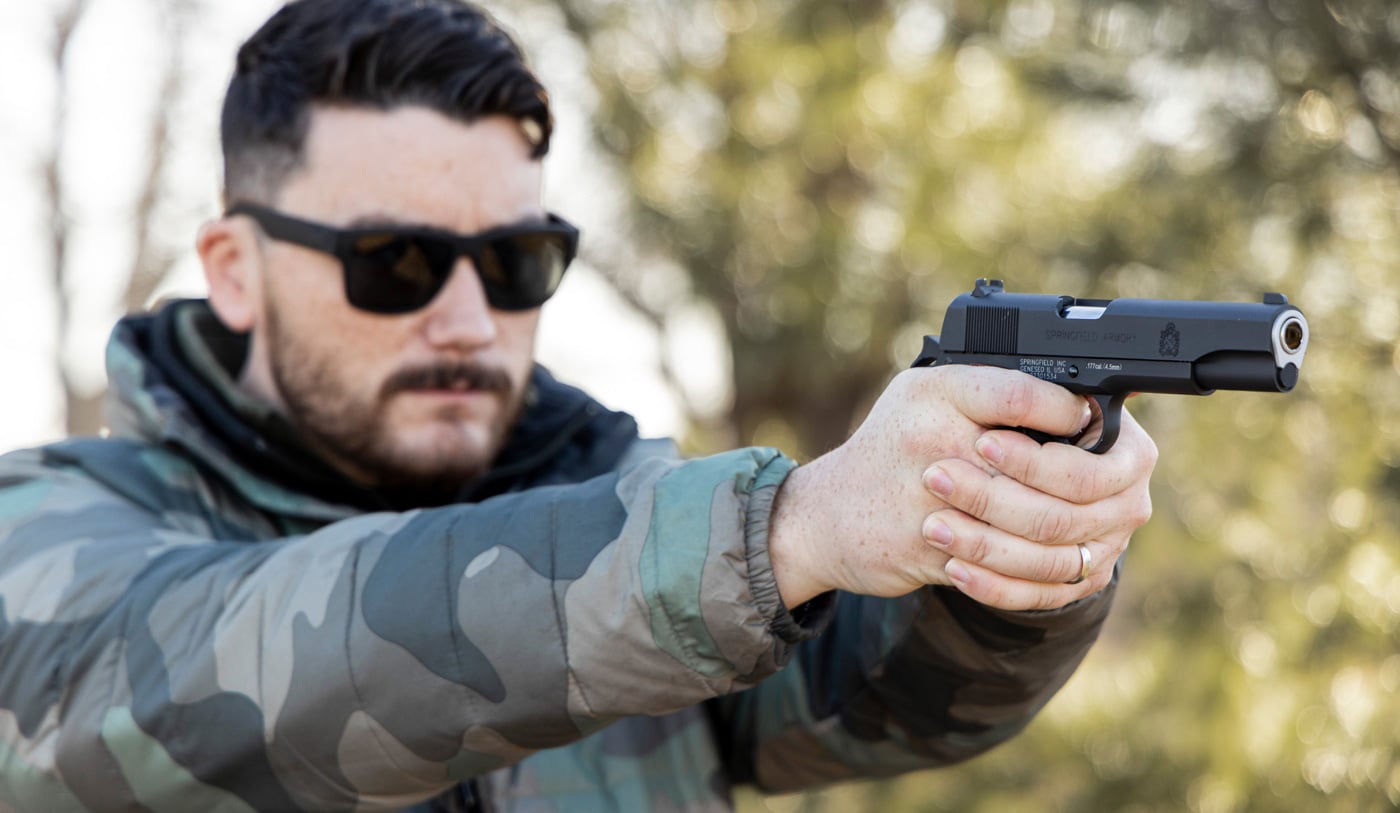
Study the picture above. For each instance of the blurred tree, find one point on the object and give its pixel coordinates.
(152, 258)
(830, 174)
(81, 410)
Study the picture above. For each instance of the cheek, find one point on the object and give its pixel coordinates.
(314, 322)
(303, 282)
(517, 341)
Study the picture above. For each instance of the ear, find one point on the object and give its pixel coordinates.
(228, 249)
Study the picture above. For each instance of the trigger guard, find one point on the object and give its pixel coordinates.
(1111, 411)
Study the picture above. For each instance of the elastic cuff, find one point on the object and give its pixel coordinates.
(806, 621)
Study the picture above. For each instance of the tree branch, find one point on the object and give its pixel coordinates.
(65, 22)
(150, 265)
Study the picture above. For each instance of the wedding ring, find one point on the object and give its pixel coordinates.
(1086, 564)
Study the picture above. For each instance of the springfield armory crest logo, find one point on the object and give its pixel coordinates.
(1171, 341)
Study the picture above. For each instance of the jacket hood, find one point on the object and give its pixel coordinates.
(172, 381)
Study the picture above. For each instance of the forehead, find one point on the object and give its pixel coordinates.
(416, 165)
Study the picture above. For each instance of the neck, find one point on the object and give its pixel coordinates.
(256, 379)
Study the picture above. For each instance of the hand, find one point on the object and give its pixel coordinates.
(1014, 538)
(853, 518)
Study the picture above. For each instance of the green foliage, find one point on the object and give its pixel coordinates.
(832, 174)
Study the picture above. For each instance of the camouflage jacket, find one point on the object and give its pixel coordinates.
(195, 615)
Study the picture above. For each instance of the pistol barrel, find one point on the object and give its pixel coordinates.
(1243, 371)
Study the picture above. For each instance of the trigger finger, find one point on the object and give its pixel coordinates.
(992, 396)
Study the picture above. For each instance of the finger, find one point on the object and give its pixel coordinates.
(1007, 593)
(1094, 429)
(1067, 471)
(1027, 512)
(992, 396)
(969, 540)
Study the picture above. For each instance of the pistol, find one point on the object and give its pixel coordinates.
(1110, 348)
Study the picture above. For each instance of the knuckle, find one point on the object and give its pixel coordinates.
(1143, 512)
(1097, 584)
(1048, 569)
(1024, 467)
(971, 491)
(1149, 453)
(912, 444)
(1052, 525)
(995, 595)
(1085, 484)
(1020, 400)
(979, 547)
(978, 502)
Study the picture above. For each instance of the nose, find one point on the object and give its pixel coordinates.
(459, 317)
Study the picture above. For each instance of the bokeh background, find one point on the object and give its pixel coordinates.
(779, 198)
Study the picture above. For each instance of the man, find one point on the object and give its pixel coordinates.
(349, 548)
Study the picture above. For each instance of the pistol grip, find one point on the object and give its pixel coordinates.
(1111, 415)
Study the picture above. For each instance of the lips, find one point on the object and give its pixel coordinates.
(457, 380)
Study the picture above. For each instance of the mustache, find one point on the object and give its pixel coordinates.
(462, 375)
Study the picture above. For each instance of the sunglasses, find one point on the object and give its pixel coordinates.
(399, 270)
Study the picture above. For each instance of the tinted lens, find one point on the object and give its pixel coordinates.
(391, 273)
(521, 271)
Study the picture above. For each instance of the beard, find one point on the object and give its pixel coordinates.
(357, 434)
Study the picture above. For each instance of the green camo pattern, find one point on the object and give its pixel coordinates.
(180, 633)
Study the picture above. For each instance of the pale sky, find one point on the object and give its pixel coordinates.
(588, 336)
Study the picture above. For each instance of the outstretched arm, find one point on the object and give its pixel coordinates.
(145, 661)
(972, 626)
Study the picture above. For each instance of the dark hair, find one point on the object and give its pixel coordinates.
(442, 54)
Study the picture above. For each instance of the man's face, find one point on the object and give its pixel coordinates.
(418, 399)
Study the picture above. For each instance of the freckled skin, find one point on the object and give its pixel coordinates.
(858, 518)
